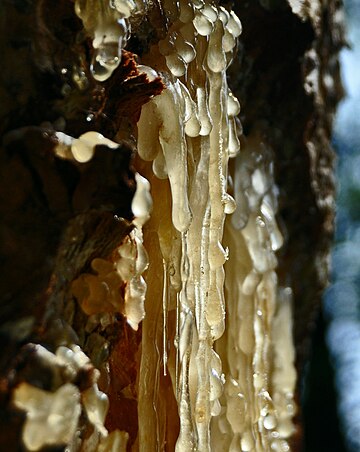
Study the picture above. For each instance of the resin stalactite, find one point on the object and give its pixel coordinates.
(164, 310)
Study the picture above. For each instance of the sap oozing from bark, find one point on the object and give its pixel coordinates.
(197, 274)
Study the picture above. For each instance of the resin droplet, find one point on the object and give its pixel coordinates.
(233, 105)
(229, 204)
(185, 49)
(105, 60)
(269, 422)
(176, 64)
(234, 25)
(142, 202)
(83, 148)
(202, 24)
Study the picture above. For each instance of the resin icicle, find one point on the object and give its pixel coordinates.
(185, 131)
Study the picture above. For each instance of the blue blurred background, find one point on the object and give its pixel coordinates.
(331, 397)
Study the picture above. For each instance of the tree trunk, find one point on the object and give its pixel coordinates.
(139, 316)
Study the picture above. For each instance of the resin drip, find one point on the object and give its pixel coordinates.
(189, 133)
(106, 22)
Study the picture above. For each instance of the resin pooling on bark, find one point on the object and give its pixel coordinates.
(118, 284)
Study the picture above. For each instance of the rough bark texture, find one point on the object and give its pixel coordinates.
(57, 216)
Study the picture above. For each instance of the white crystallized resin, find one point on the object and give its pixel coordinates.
(52, 418)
